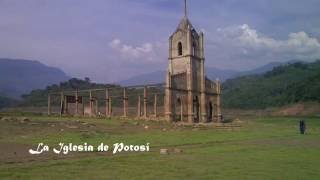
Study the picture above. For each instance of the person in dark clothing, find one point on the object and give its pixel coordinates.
(302, 127)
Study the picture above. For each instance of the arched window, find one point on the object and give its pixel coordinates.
(179, 49)
(179, 110)
(210, 112)
(196, 109)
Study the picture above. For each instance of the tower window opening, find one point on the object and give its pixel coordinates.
(179, 49)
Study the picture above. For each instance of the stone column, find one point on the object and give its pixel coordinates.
(168, 99)
(107, 103)
(110, 106)
(145, 101)
(49, 104)
(97, 107)
(83, 107)
(61, 103)
(77, 103)
(155, 105)
(139, 106)
(190, 107)
(125, 103)
(190, 94)
(66, 108)
(181, 110)
(218, 101)
(203, 111)
(168, 87)
(90, 104)
(190, 79)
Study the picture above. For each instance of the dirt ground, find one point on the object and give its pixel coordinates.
(14, 150)
(19, 128)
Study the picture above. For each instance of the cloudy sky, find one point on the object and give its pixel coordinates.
(111, 40)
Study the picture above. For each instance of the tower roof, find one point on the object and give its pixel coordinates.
(185, 24)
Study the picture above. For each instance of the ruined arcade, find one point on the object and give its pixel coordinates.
(186, 96)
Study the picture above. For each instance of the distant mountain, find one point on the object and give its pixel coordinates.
(261, 70)
(159, 77)
(18, 77)
(149, 78)
(211, 72)
(222, 74)
(286, 84)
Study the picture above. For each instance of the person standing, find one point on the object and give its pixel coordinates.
(302, 127)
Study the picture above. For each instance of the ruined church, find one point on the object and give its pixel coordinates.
(189, 95)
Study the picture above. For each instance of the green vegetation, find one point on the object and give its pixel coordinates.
(262, 148)
(6, 102)
(288, 84)
(39, 97)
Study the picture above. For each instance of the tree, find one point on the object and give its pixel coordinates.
(87, 79)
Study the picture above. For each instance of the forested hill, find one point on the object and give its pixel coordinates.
(6, 102)
(39, 97)
(286, 84)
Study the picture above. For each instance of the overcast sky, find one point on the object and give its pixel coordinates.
(111, 40)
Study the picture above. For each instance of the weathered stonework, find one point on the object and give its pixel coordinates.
(189, 95)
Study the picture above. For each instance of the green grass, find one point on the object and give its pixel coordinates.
(263, 148)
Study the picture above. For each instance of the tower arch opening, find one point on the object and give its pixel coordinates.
(210, 112)
(196, 109)
(180, 49)
(179, 110)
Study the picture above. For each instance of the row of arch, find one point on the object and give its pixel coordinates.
(179, 110)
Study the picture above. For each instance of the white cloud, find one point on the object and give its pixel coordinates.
(146, 51)
(115, 43)
(243, 43)
(297, 43)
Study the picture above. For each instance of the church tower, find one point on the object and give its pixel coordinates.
(186, 80)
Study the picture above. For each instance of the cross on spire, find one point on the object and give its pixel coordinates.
(185, 9)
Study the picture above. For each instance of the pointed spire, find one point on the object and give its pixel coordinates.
(184, 23)
(185, 9)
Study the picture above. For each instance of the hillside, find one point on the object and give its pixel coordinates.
(159, 76)
(39, 97)
(148, 78)
(261, 69)
(18, 77)
(6, 102)
(211, 72)
(286, 84)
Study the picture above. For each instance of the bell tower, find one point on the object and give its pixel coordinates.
(186, 71)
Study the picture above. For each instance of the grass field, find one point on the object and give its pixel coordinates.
(254, 148)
